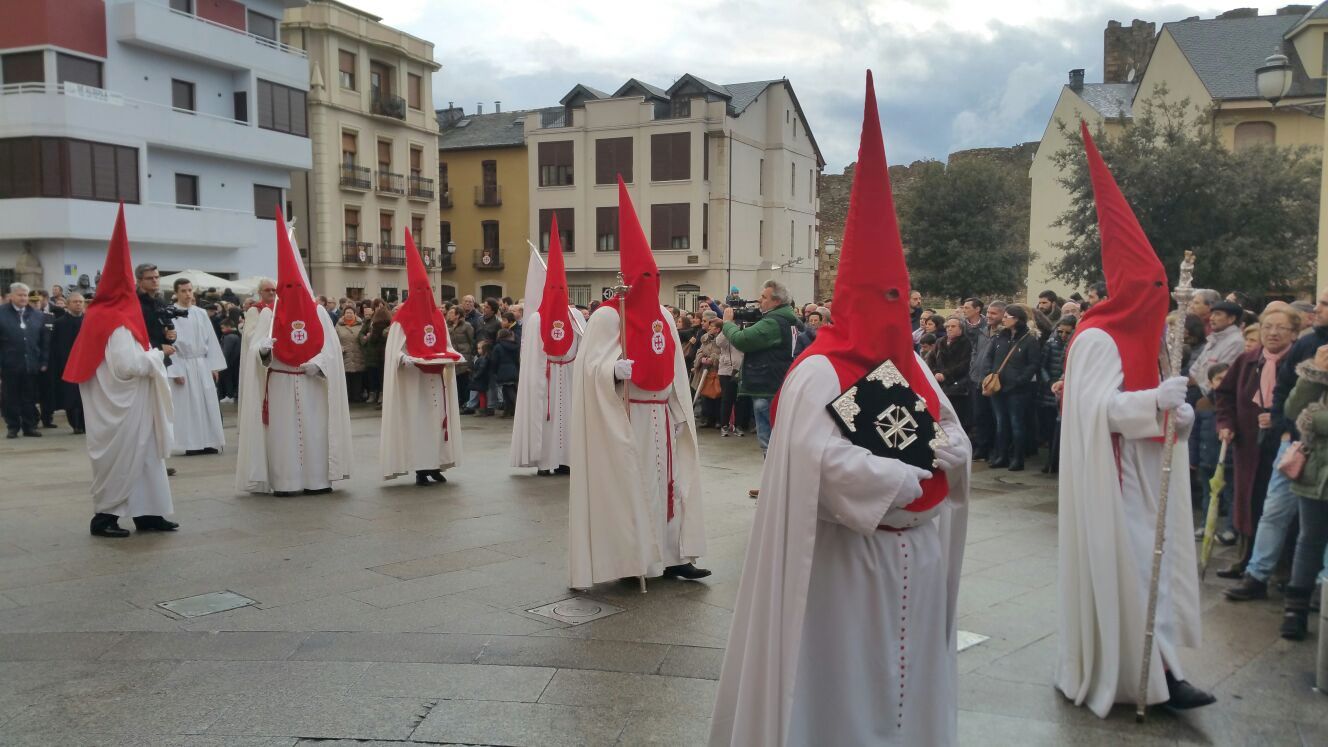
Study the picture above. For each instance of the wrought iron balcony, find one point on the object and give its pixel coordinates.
(488, 259)
(446, 261)
(429, 255)
(419, 187)
(357, 253)
(445, 199)
(488, 196)
(355, 177)
(387, 105)
(392, 254)
(390, 183)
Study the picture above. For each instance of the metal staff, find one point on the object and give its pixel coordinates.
(621, 290)
(1175, 342)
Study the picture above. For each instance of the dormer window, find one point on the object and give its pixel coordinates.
(680, 108)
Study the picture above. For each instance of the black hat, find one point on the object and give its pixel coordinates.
(1232, 310)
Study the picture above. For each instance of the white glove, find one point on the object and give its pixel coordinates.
(911, 490)
(1171, 393)
(952, 455)
(311, 369)
(1184, 417)
(407, 360)
(265, 345)
(622, 370)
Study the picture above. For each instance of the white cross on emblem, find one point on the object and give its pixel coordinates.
(897, 427)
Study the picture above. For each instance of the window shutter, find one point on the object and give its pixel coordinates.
(103, 171)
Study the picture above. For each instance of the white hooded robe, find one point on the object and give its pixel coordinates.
(197, 410)
(421, 414)
(540, 436)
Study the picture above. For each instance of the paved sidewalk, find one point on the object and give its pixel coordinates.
(395, 614)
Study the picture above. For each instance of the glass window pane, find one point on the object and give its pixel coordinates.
(23, 67)
(103, 171)
(71, 69)
(126, 167)
(80, 169)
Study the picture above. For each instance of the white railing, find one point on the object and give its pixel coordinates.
(273, 43)
(202, 208)
(101, 95)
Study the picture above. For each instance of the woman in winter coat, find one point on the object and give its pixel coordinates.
(352, 356)
(1014, 356)
(730, 364)
(462, 335)
(1307, 406)
(373, 338)
(705, 367)
(950, 361)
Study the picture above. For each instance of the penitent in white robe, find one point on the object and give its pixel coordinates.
(421, 414)
(197, 410)
(544, 400)
(1108, 521)
(618, 524)
(843, 633)
(305, 444)
(127, 405)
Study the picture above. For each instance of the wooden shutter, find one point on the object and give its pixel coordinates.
(413, 90)
(349, 143)
(80, 169)
(266, 115)
(670, 156)
(103, 171)
(416, 161)
(606, 229)
(384, 155)
(613, 156)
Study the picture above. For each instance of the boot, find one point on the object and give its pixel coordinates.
(1296, 618)
(1184, 696)
(107, 525)
(1249, 589)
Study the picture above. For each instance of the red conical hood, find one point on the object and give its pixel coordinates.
(295, 324)
(1135, 311)
(114, 305)
(649, 341)
(419, 316)
(871, 322)
(555, 318)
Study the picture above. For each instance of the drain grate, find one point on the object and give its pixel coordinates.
(968, 640)
(206, 604)
(576, 610)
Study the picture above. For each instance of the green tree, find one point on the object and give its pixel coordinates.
(1251, 216)
(965, 228)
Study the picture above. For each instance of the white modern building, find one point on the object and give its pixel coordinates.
(190, 112)
(723, 178)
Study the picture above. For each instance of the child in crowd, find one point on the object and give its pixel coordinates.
(481, 375)
(1205, 429)
(505, 363)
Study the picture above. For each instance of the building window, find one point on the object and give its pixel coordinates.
(671, 226)
(61, 167)
(264, 26)
(791, 239)
(811, 185)
(182, 95)
(613, 158)
(686, 296)
(705, 156)
(1251, 134)
(385, 224)
(671, 157)
(606, 229)
(705, 225)
(447, 292)
(349, 148)
(489, 229)
(266, 200)
(346, 65)
(578, 295)
(555, 164)
(414, 90)
(680, 108)
(811, 242)
(184, 6)
(491, 291)
(760, 239)
(417, 229)
(355, 293)
(566, 226)
(793, 180)
(795, 129)
(443, 188)
(352, 221)
(388, 293)
(760, 178)
(384, 155)
(281, 108)
(444, 234)
(23, 67)
(71, 69)
(487, 193)
(186, 190)
(416, 162)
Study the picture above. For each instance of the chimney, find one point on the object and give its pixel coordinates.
(497, 107)
(1239, 13)
(479, 108)
(1077, 79)
(1294, 10)
(1126, 49)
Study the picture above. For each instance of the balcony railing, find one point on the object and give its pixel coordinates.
(446, 261)
(419, 187)
(389, 183)
(488, 196)
(355, 177)
(488, 259)
(392, 254)
(429, 255)
(387, 105)
(356, 253)
(445, 199)
(273, 43)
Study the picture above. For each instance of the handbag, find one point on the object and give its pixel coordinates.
(1293, 461)
(711, 388)
(991, 383)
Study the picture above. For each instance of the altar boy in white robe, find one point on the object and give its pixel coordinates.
(540, 437)
(126, 402)
(294, 415)
(844, 630)
(635, 495)
(1115, 411)
(197, 360)
(421, 412)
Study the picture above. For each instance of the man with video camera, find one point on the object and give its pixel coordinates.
(765, 334)
(159, 317)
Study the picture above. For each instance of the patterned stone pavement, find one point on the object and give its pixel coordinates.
(390, 614)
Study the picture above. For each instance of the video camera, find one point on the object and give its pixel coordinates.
(166, 315)
(744, 312)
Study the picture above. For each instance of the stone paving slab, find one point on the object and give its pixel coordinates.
(522, 724)
(322, 717)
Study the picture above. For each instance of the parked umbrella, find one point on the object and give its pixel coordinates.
(1215, 486)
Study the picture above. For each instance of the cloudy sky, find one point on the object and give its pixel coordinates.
(950, 74)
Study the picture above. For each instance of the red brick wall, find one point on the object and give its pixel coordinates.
(227, 12)
(79, 25)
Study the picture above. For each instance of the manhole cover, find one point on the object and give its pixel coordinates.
(969, 640)
(576, 610)
(206, 604)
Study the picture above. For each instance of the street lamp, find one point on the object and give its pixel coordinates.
(831, 247)
(1273, 80)
(451, 247)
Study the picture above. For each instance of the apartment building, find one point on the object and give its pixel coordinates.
(375, 151)
(483, 179)
(190, 112)
(723, 177)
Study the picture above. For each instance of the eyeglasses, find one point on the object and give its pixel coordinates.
(1275, 328)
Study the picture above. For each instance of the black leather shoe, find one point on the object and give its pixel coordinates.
(49, 425)
(193, 452)
(170, 472)
(1249, 589)
(32, 433)
(154, 524)
(998, 463)
(1016, 467)
(422, 478)
(209, 450)
(320, 491)
(437, 476)
(285, 493)
(686, 571)
(108, 525)
(1235, 571)
(1185, 696)
(544, 472)
(563, 470)
(11, 434)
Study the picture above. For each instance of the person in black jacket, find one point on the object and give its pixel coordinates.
(63, 334)
(1014, 355)
(1050, 380)
(24, 354)
(505, 362)
(950, 362)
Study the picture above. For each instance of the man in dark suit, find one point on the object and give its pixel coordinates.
(63, 334)
(23, 358)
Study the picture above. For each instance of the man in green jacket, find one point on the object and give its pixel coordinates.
(767, 346)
